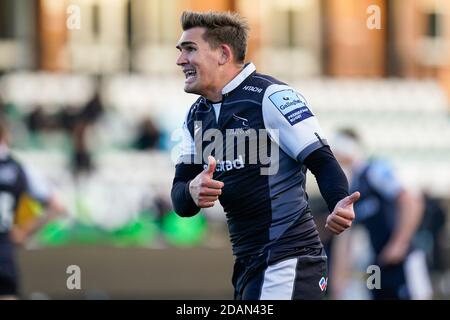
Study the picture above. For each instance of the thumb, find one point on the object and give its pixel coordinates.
(351, 198)
(211, 166)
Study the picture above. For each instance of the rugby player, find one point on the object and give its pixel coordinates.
(278, 254)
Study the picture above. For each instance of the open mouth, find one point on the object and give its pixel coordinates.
(190, 73)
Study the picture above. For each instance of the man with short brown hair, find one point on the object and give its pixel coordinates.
(278, 252)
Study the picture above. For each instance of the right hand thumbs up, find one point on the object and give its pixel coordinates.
(203, 188)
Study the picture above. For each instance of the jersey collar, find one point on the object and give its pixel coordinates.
(233, 84)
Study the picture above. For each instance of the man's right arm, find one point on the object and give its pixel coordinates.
(189, 195)
(182, 201)
(193, 186)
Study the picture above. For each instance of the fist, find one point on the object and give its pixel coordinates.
(203, 189)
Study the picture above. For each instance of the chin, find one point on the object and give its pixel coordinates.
(191, 89)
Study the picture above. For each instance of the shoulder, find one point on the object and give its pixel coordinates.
(255, 86)
(283, 99)
(260, 83)
(278, 92)
(265, 80)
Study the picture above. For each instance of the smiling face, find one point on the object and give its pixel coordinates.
(200, 63)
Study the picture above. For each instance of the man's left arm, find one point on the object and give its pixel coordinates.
(333, 187)
(288, 116)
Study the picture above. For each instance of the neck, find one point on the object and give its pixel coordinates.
(214, 95)
(224, 78)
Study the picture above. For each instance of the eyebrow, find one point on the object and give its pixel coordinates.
(185, 43)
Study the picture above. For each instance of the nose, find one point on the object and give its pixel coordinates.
(181, 59)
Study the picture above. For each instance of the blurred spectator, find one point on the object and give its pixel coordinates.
(68, 117)
(18, 183)
(81, 158)
(79, 123)
(36, 120)
(391, 214)
(148, 135)
(93, 110)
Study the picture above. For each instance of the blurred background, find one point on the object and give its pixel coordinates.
(93, 99)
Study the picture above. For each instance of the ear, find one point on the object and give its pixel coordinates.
(226, 54)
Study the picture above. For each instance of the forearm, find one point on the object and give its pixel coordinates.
(333, 184)
(182, 201)
(32, 226)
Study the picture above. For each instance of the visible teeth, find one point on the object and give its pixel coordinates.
(190, 73)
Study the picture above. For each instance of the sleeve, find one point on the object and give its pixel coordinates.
(382, 178)
(185, 171)
(332, 182)
(182, 202)
(287, 112)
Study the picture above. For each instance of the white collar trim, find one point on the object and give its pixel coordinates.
(233, 84)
